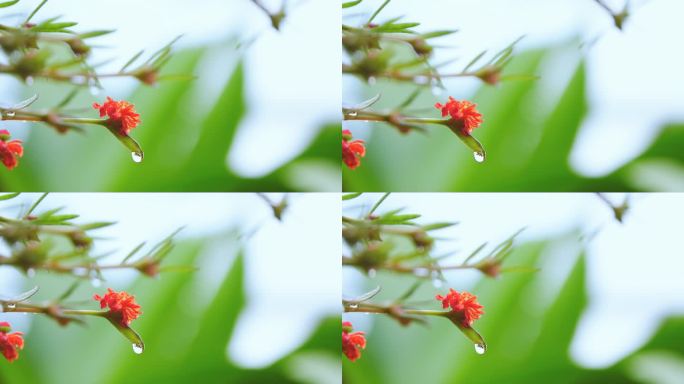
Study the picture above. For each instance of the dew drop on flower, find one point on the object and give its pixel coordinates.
(137, 157)
(480, 349)
(479, 156)
(372, 273)
(137, 348)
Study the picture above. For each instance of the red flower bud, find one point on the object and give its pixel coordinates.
(121, 114)
(10, 343)
(121, 305)
(463, 304)
(463, 114)
(10, 151)
(352, 342)
(352, 151)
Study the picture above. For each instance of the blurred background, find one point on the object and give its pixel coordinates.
(606, 113)
(262, 305)
(606, 305)
(262, 114)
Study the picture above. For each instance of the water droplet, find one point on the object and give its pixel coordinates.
(437, 90)
(137, 157)
(372, 80)
(437, 283)
(31, 273)
(480, 349)
(353, 305)
(94, 87)
(95, 282)
(11, 305)
(421, 80)
(421, 272)
(138, 348)
(10, 113)
(372, 273)
(479, 156)
(78, 79)
(352, 113)
(29, 80)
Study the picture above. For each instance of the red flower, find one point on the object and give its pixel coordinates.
(10, 151)
(462, 113)
(10, 343)
(121, 114)
(464, 304)
(352, 343)
(121, 305)
(352, 151)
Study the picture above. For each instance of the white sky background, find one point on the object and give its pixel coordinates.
(292, 77)
(633, 269)
(296, 261)
(635, 76)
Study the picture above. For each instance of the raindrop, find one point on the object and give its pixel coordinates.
(372, 80)
(479, 156)
(372, 273)
(436, 88)
(138, 348)
(421, 80)
(29, 80)
(137, 157)
(11, 305)
(94, 88)
(421, 272)
(78, 79)
(31, 273)
(480, 349)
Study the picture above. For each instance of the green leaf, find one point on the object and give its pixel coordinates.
(8, 196)
(348, 4)
(8, 3)
(346, 196)
(377, 11)
(432, 35)
(98, 33)
(130, 334)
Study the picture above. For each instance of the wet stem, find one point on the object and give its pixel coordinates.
(53, 267)
(348, 261)
(388, 310)
(387, 118)
(28, 116)
(8, 307)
